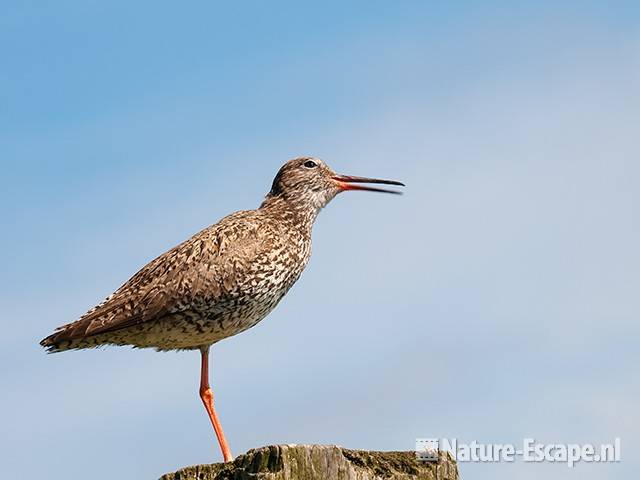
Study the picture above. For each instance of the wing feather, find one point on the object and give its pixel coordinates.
(202, 269)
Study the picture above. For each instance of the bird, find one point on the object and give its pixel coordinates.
(221, 281)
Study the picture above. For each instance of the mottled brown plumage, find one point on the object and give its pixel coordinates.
(221, 281)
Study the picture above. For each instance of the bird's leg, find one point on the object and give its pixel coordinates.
(206, 394)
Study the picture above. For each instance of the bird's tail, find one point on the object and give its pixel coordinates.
(53, 343)
(64, 338)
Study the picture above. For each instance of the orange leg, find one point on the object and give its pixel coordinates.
(206, 394)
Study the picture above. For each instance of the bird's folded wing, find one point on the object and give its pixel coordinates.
(201, 270)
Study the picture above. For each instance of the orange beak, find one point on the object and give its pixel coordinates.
(346, 182)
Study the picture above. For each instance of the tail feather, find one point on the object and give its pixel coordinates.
(55, 342)
(65, 337)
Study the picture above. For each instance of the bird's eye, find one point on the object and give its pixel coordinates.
(310, 164)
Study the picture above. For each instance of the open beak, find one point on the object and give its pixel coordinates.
(348, 182)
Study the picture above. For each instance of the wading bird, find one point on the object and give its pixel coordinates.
(221, 281)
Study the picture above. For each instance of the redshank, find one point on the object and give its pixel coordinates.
(220, 282)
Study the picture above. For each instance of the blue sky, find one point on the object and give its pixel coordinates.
(496, 300)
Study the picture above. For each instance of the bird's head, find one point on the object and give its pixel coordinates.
(308, 183)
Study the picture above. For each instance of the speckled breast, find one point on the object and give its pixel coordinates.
(253, 288)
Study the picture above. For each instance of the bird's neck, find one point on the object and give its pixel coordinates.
(297, 213)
